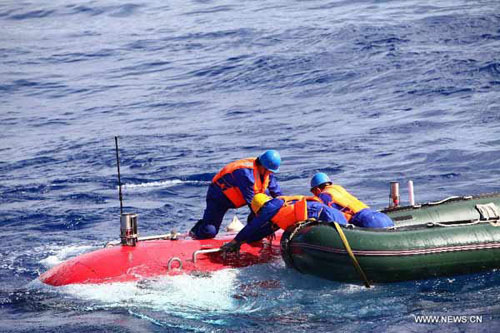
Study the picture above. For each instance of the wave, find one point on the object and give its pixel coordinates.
(164, 183)
(62, 253)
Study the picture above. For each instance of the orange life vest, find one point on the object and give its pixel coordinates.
(291, 213)
(349, 203)
(233, 193)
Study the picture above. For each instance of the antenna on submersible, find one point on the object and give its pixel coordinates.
(128, 221)
(119, 180)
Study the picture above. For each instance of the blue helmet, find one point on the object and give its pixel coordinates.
(271, 160)
(319, 178)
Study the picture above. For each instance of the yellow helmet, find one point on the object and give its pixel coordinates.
(258, 201)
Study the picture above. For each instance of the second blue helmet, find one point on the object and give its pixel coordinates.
(319, 178)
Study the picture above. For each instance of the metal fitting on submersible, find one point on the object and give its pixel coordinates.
(128, 229)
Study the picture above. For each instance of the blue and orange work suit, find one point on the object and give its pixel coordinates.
(233, 187)
(283, 212)
(355, 211)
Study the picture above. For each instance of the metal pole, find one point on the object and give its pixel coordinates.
(411, 193)
(394, 195)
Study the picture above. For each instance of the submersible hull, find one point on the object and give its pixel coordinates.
(153, 258)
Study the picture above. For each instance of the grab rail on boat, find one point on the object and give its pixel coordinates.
(204, 251)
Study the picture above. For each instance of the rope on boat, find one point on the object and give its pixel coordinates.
(448, 199)
(351, 254)
(454, 223)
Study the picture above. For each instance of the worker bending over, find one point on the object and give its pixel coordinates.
(235, 186)
(281, 212)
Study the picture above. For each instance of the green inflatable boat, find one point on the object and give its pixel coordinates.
(458, 235)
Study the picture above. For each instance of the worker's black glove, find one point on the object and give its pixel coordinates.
(271, 237)
(230, 247)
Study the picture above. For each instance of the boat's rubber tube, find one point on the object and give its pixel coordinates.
(409, 253)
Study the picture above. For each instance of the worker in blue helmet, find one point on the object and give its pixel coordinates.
(355, 211)
(234, 186)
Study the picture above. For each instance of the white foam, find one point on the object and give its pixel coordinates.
(164, 183)
(60, 254)
(184, 294)
(355, 288)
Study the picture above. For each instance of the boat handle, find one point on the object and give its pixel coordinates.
(195, 253)
(171, 260)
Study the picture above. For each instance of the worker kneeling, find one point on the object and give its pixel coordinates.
(281, 212)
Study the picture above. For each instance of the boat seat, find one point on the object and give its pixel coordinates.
(488, 211)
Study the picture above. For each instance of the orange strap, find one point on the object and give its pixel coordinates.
(288, 198)
(260, 186)
(300, 209)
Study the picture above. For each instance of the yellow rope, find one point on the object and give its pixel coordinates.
(351, 254)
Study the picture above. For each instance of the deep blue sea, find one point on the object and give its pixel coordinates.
(369, 91)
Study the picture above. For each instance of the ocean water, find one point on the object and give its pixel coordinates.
(369, 91)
